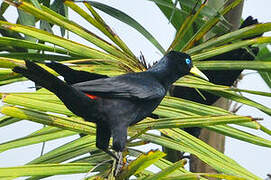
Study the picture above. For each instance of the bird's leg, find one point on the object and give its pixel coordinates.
(119, 134)
(111, 154)
(119, 163)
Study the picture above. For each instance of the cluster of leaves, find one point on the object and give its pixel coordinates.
(192, 21)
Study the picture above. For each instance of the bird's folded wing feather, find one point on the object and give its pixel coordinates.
(127, 86)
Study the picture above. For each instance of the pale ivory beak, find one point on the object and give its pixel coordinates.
(195, 71)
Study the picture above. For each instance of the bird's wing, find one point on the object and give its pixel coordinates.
(126, 86)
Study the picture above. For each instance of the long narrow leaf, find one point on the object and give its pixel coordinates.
(249, 31)
(67, 151)
(67, 24)
(34, 139)
(34, 104)
(167, 171)
(241, 135)
(52, 120)
(6, 120)
(176, 19)
(28, 20)
(233, 65)
(197, 109)
(45, 169)
(111, 34)
(6, 41)
(189, 122)
(198, 175)
(264, 55)
(76, 48)
(129, 21)
(230, 47)
(211, 23)
(185, 27)
(140, 163)
(4, 6)
(6, 74)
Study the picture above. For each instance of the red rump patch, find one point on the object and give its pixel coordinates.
(92, 96)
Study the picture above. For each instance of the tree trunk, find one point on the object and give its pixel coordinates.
(212, 138)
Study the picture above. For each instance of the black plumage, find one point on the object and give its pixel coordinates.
(113, 103)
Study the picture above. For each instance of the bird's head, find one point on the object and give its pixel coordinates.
(182, 63)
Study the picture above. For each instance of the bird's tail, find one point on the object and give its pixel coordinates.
(62, 70)
(76, 101)
(40, 76)
(72, 76)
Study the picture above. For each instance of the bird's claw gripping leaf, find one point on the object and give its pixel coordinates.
(119, 163)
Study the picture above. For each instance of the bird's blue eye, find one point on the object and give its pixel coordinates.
(188, 61)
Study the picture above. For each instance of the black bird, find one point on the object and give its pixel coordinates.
(221, 77)
(113, 103)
